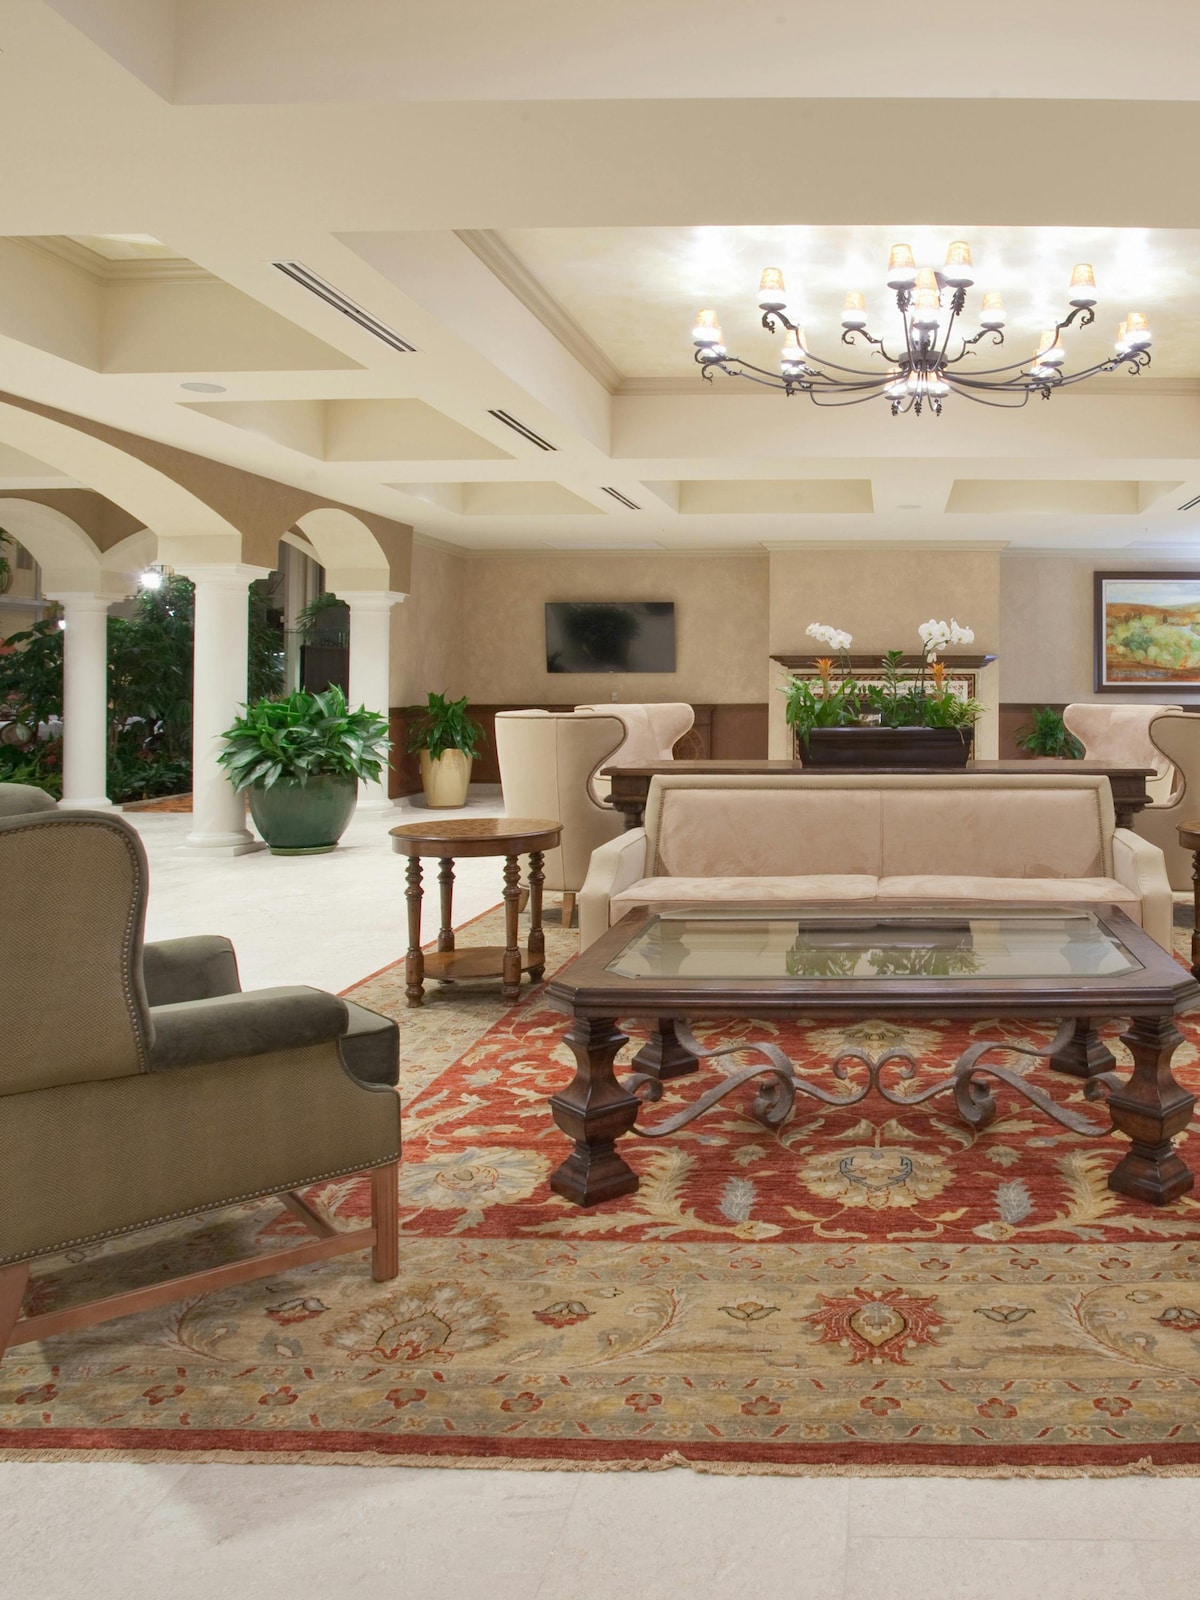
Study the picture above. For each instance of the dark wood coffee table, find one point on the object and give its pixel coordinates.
(510, 837)
(1076, 964)
(1189, 839)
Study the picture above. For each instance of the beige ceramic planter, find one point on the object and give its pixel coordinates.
(445, 780)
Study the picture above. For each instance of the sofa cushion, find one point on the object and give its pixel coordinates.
(935, 886)
(1006, 833)
(699, 891)
(766, 832)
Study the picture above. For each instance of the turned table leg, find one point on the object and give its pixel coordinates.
(1196, 913)
(1151, 1109)
(445, 938)
(669, 1052)
(511, 967)
(594, 1111)
(1084, 1053)
(414, 960)
(537, 939)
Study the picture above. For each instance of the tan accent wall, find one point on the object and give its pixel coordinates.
(427, 629)
(720, 626)
(1046, 638)
(881, 596)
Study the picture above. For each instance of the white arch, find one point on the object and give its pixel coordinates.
(353, 558)
(69, 560)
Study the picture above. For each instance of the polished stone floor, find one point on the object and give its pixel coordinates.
(130, 1531)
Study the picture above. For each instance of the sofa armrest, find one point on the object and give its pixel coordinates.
(199, 968)
(613, 867)
(256, 1023)
(1142, 867)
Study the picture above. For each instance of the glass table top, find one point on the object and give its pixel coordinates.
(915, 942)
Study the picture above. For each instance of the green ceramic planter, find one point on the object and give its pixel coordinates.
(304, 819)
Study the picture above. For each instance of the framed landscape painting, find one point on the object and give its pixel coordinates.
(1147, 630)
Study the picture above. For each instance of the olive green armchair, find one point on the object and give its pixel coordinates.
(138, 1083)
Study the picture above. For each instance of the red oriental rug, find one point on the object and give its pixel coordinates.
(878, 1289)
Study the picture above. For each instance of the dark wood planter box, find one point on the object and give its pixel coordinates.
(884, 749)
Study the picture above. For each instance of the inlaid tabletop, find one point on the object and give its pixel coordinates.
(481, 836)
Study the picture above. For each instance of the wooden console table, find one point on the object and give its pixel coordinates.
(630, 785)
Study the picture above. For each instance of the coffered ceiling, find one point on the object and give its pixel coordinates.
(441, 260)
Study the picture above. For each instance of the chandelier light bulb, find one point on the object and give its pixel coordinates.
(1050, 353)
(1083, 286)
(927, 302)
(992, 315)
(897, 387)
(902, 267)
(771, 294)
(854, 314)
(1137, 330)
(957, 272)
(707, 331)
(1122, 343)
(791, 355)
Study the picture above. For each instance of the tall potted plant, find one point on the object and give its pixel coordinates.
(447, 741)
(300, 760)
(893, 721)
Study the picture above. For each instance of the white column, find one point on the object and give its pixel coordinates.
(85, 700)
(218, 694)
(370, 676)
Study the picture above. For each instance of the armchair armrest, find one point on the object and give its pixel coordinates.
(613, 867)
(1142, 867)
(192, 1032)
(199, 968)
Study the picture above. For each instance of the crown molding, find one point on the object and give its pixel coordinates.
(102, 270)
(520, 282)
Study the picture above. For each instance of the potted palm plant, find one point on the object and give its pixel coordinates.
(299, 760)
(447, 741)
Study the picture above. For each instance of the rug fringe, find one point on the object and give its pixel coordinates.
(669, 1461)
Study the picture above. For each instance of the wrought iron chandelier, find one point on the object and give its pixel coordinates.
(936, 359)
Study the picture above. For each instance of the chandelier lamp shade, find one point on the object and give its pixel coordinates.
(934, 354)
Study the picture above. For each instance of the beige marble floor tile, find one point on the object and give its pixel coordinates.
(1021, 1569)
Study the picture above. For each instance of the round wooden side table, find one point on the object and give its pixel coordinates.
(510, 837)
(1189, 839)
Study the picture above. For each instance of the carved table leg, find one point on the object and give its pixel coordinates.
(1196, 913)
(1150, 1110)
(511, 968)
(594, 1111)
(537, 939)
(445, 938)
(1084, 1053)
(669, 1052)
(414, 960)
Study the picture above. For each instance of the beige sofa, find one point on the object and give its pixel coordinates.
(957, 836)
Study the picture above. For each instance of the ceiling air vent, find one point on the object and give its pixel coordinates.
(624, 499)
(297, 271)
(519, 427)
(1190, 505)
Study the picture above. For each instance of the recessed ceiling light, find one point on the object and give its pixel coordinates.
(906, 506)
(204, 388)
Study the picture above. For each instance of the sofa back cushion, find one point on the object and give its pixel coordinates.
(1040, 831)
(764, 832)
(885, 825)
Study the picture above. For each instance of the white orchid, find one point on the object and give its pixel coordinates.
(835, 638)
(961, 635)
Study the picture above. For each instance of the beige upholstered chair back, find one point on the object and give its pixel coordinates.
(1121, 735)
(72, 1005)
(1177, 734)
(548, 763)
(651, 730)
(882, 825)
(24, 799)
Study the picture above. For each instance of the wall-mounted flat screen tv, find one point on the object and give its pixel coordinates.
(610, 636)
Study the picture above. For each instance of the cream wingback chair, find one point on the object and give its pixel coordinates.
(1121, 735)
(1176, 735)
(549, 762)
(651, 733)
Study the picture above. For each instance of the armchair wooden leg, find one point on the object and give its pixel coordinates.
(385, 1218)
(568, 910)
(13, 1283)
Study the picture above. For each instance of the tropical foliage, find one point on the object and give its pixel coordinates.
(1047, 735)
(304, 736)
(446, 726)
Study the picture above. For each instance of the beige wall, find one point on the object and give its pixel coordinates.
(1046, 634)
(720, 625)
(881, 596)
(426, 630)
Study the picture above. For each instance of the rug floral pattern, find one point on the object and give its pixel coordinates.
(873, 1287)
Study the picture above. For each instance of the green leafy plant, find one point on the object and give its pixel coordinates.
(1047, 735)
(318, 625)
(446, 726)
(304, 736)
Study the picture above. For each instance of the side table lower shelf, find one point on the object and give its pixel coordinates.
(479, 961)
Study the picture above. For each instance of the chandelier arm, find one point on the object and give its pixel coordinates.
(833, 405)
(849, 335)
(999, 405)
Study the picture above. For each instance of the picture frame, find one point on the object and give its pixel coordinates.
(1146, 632)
